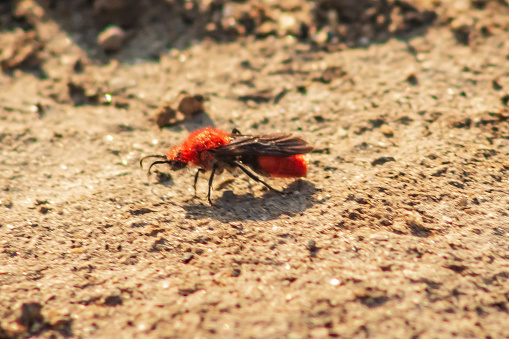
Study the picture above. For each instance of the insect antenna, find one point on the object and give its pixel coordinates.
(151, 156)
(155, 162)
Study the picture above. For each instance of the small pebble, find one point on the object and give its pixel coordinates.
(387, 131)
(191, 105)
(7, 203)
(111, 39)
(187, 258)
(381, 161)
(166, 116)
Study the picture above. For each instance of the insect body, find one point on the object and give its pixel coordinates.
(272, 155)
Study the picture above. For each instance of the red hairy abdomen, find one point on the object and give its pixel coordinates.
(284, 167)
(199, 141)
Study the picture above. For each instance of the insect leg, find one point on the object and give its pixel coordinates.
(256, 178)
(210, 183)
(236, 132)
(196, 179)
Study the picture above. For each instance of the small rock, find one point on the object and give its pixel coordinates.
(405, 120)
(462, 29)
(321, 36)
(456, 184)
(462, 203)
(237, 225)
(496, 84)
(140, 210)
(417, 226)
(302, 89)
(132, 260)
(8, 202)
(312, 248)
(505, 100)
(412, 79)
(39, 202)
(288, 24)
(160, 245)
(166, 116)
(79, 66)
(381, 161)
(267, 28)
(44, 209)
(235, 270)
(358, 198)
(399, 227)
(113, 300)
(191, 105)
(460, 122)
(111, 39)
(246, 76)
(439, 171)
(80, 95)
(387, 131)
(187, 258)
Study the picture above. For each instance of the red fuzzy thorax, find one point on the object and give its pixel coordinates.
(194, 148)
(294, 166)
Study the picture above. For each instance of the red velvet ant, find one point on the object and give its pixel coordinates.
(272, 155)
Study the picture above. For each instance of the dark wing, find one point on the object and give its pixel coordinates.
(280, 145)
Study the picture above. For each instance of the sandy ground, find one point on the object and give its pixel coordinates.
(401, 228)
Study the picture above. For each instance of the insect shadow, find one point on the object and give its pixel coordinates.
(198, 121)
(296, 198)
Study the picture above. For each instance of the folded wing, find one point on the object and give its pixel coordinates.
(281, 145)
